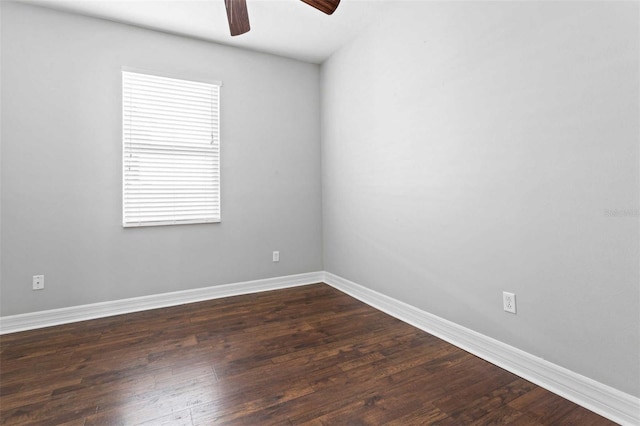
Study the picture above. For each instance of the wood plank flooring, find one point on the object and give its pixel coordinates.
(304, 356)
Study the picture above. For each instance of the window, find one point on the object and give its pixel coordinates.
(171, 146)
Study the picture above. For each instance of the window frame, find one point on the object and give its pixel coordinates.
(214, 156)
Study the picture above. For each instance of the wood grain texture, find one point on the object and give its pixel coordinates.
(326, 6)
(238, 16)
(306, 356)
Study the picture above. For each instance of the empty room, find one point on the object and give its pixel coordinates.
(319, 212)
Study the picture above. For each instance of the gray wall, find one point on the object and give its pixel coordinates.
(61, 165)
(471, 148)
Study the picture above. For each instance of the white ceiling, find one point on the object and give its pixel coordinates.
(283, 27)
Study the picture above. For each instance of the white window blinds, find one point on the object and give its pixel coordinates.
(171, 147)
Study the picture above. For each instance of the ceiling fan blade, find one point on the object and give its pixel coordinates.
(326, 6)
(237, 16)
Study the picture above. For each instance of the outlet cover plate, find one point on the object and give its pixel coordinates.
(38, 282)
(509, 302)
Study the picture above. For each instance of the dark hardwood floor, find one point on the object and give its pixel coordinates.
(308, 355)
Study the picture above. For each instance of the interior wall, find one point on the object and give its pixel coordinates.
(480, 147)
(61, 165)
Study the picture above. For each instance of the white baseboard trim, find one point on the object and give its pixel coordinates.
(29, 321)
(611, 403)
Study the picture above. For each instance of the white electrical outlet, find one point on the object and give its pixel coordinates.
(38, 282)
(276, 256)
(509, 302)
